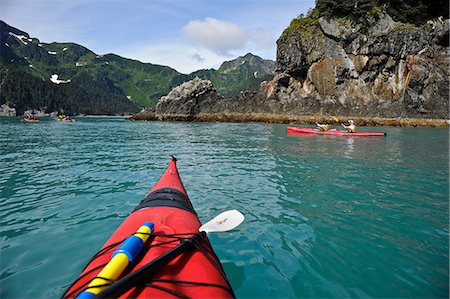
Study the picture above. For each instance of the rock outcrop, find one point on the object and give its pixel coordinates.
(5, 110)
(387, 69)
(189, 99)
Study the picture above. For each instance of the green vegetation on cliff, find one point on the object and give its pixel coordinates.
(406, 11)
(304, 24)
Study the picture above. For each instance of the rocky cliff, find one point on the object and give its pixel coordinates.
(338, 67)
(385, 68)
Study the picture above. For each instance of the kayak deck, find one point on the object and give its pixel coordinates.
(332, 132)
(194, 274)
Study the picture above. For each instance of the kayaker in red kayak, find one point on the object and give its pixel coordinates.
(351, 128)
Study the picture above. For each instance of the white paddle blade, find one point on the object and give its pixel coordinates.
(223, 222)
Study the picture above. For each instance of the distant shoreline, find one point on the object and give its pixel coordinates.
(277, 118)
(72, 116)
(103, 116)
(291, 119)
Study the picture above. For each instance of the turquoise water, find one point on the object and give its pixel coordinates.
(326, 217)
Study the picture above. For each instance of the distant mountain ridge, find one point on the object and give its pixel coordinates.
(67, 77)
(244, 73)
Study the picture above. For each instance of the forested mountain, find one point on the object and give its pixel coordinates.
(243, 73)
(69, 77)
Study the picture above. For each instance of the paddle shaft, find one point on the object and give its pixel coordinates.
(142, 275)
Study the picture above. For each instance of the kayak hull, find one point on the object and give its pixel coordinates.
(195, 274)
(332, 132)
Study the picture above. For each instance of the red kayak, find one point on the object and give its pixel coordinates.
(197, 273)
(31, 120)
(332, 132)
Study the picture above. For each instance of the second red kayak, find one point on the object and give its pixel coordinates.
(332, 132)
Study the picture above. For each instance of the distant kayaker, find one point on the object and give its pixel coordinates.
(351, 128)
(322, 127)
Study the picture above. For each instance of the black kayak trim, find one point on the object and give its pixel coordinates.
(166, 197)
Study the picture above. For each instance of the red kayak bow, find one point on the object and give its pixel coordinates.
(197, 273)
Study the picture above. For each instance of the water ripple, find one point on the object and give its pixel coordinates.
(325, 217)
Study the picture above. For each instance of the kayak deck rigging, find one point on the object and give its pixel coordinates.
(195, 273)
(152, 282)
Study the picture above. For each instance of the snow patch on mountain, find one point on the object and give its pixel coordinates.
(54, 79)
(22, 38)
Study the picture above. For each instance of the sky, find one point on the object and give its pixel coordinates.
(186, 35)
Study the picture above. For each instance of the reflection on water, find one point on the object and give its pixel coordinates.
(349, 151)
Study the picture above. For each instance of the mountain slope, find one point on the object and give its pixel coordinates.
(36, 75)
(125, 77)
(243, 73)
(72, 71)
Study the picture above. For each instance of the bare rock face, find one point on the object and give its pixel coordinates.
(188, 99)
(387, 69)
(5, 110)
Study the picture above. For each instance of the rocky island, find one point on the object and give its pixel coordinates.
(374, 69)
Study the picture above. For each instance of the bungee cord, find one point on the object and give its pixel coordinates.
(207, 252)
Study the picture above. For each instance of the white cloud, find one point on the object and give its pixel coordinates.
(216, 35)
(176, 54)
(264, 38)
